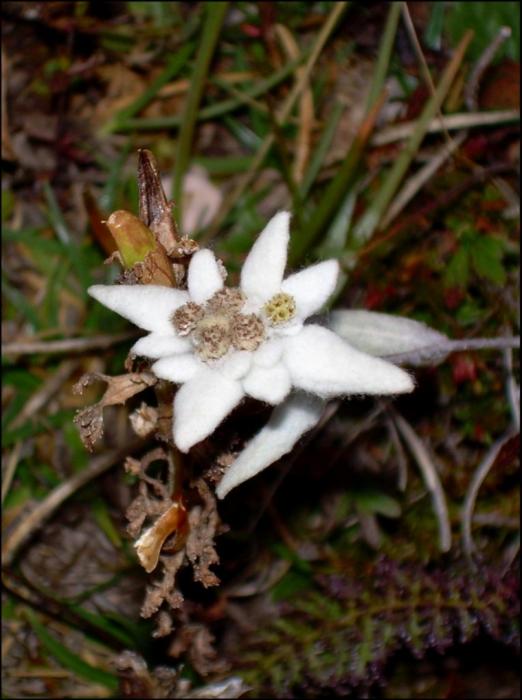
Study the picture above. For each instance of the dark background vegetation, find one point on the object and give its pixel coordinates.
(332, 576)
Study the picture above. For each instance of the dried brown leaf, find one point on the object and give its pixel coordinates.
(164, 589)
(203, 525)
(90, 424)
(155, 210)
(119, 389)
(196, 641)
(97, 222)
(135, 679)
(164, 624)
(149, 545)
(155, 268)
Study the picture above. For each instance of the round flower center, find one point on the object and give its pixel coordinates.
(212, 336)
(219, 324)
(280, 308)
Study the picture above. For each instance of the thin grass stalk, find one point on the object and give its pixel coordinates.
(215, 14)
(174, 64)
(383, 59)
(218, 109)
(326, 30)
(372, 218)
(322, 148)
(336, 190)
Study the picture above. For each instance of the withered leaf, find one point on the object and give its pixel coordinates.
(164, 589)
(154, 209)
(97, 221)
(148, 546)
(135, 679)
(203, 525)
(120, 388)
(196, 641)
(90, 424)
(154, 269)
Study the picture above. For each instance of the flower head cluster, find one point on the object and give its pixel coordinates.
(223, 343)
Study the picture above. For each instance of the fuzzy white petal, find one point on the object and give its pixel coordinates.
(268, 353)
(288, 423)
(147, 306)
(204, 277)
(177, 369)
(312, 287)
(156, 345)
(383, 334)
(324, 364)
(201, 404)
(269, 384)
(236, 365)
(264, 266)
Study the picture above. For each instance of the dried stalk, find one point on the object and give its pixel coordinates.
(69, 345)
(471, 496)
(431, 479)
(32, 522)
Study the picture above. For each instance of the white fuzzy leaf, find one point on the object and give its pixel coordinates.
(321, 362)
(156, 345)
(177, 369)
(269, 384)
(264, 266)
(148, 306)
(288, 423)
(312, 287)
(201, 404)
(386, 335)
(204, 277)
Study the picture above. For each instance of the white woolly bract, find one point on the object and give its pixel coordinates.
(201, 404)
(204, 277)
(288, 423)
(264, 266)
(269, 384)
(322, 363)
(148, 306)
(178, 369)
(312, 287)
(382, 334)
(155, 346)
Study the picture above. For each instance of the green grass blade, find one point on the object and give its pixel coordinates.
(220, 108)
(70, 660)
(214, 16)
(322, 148)
(335, 191)
(55, 215)
(371, 219)
(383, 59)
(174, 64)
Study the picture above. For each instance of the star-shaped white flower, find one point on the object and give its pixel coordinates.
(224, 343)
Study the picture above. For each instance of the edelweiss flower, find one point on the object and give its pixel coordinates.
(223, 343)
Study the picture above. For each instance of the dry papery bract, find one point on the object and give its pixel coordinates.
(120, 388)
(137, 681)
(186, 540)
